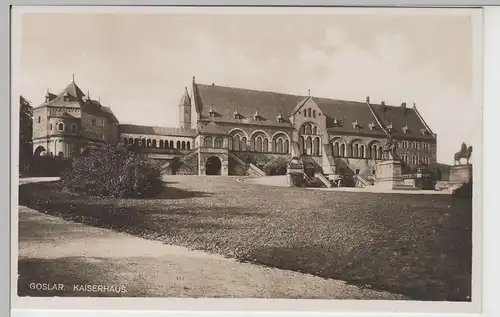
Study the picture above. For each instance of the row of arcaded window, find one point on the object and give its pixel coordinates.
(161, 144)
(356, 150)
(260, 143)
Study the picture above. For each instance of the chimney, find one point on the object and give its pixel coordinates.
(403, 106)
(382, 104)
(367, 99)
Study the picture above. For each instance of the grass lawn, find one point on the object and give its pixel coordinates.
(417, 245)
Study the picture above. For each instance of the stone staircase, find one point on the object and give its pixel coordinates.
(325, 181)
(252, 168)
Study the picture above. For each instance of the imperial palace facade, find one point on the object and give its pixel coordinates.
(234, 131)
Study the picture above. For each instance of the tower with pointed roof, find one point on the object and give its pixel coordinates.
(185, 110)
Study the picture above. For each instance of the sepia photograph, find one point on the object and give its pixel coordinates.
(251, 153)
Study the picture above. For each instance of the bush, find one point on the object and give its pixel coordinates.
(114, 172)
(277, 165)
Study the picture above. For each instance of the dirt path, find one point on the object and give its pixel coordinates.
(55, 251)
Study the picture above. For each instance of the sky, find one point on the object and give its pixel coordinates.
(139, 63)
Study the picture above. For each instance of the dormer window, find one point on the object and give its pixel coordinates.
(355, 124)
(372, 126)
(66, 96)
(335, 122)
(256, 116)
(279, 118)
(423, 131)
(60, 126)
(236, 115)
(211, 112)
(405, 128)
(389, 128)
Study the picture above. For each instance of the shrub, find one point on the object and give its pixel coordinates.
(277, 165)
(112, 171)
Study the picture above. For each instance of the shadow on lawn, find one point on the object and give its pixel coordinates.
(423, 251)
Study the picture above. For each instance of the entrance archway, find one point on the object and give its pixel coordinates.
(39, 151)
(213, 166)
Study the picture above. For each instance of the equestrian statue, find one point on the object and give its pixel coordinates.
(465, 152)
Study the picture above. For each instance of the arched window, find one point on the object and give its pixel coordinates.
(315, 130)
(355, 150)
(136, 142)
(379, 150)
(161, 144)
(60, 126)
(143, 142)
(188, 145)
(302, 129)
(316, 146)
(236, 142)
(243, 143)
(130, 141)
(308, 146)
(178, 145)
(252, 144)
(74, 128)
(362, 151)
(336, 148)
(154, 143)
(342, 150)
(286, 147)
(266, 145)
(208, 141)
(171, 144)
(258, 144)
(301, 145)
(218, 143)
(308, 129)
(183, 145)
(148, 143)
(125, 141)
(279, 147)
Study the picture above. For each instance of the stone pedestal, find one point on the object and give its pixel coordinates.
(388, 174)
(461, 174)
(295, 172)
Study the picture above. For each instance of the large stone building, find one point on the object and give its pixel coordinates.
(226, 131)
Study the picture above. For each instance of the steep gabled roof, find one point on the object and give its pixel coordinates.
(213, 128)
(74, 93)
(226, 101)
(237, 105)
(400, 117)
(140, 129)
(348, 116)
(73, 97)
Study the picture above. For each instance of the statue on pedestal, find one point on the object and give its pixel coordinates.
(389, 148)
(465, 152)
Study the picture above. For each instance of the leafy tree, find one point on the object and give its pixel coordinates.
(25, 132)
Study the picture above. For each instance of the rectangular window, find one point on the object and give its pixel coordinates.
(51, 127)
(93, 122)
(314, 113)
(309, 112)
(39, 119)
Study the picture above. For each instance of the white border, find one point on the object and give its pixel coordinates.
(282, 305)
